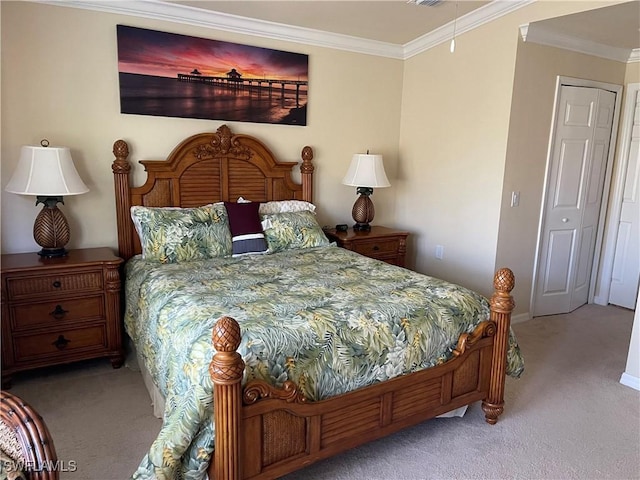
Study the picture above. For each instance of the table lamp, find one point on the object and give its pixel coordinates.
(366, 172)
(49, 174)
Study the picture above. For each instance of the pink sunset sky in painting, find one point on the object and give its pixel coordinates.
(149, 52)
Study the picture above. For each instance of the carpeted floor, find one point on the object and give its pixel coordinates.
(568, 417)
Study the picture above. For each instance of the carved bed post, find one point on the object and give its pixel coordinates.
(306, 168)
(226, 371)
(502, 305)
(121, 168)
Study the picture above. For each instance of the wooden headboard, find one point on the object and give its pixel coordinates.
(205, 168)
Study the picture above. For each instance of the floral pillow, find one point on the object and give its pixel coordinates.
(292, 230)
(174, 235)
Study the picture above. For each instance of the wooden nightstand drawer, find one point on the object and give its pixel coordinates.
(59, 343)
(378, 247)
(27, 287)
(56, 312)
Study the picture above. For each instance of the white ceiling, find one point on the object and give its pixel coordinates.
(394, 21)
(400, 22)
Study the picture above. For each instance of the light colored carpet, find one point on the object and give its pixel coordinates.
(568, 417)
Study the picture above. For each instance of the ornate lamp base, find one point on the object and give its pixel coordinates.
(363, 211)
(51, 230)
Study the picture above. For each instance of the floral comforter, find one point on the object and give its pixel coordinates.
(326, 318)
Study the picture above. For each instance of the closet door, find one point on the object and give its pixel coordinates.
(626, 263)
(574, 194)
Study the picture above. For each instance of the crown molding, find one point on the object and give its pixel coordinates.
(159, 10)
(466, 23)
(537, 34)
(170, 12)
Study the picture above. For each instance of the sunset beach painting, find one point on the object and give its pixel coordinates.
(171, 75)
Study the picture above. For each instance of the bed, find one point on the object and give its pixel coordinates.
(244, 400)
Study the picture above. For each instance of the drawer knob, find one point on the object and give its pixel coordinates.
(58, 313)
(57, 284)
(61, 342)
(376, 248)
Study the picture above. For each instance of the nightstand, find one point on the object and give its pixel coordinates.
(60, 310)
(381, 243)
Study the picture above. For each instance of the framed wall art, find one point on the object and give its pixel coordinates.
(171, 75)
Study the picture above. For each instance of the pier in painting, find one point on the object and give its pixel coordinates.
(236, 82)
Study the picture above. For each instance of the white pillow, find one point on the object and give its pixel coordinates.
(285, 206)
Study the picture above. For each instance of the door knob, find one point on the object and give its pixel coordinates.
(565, 220)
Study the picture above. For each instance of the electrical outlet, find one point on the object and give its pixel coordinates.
(439, 252)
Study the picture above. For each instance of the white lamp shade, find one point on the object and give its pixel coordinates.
(366, 171)
(46, 171)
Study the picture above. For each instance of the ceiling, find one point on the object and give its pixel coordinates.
(394, 21)
(400, 22)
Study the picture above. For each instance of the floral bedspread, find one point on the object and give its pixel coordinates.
(326, 318)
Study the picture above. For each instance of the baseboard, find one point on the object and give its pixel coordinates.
(521, 317)
(630, 381)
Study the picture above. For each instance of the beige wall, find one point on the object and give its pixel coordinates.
(455, 115)
(632, 73)
(453, 154)
(60, 81)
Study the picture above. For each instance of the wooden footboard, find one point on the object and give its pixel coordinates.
(264, 432)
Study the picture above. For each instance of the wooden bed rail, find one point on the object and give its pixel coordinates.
(276, 431)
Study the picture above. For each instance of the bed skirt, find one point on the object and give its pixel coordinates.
(134, 362)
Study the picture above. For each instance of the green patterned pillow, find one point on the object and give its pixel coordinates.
(173, 235)
(292, 230)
